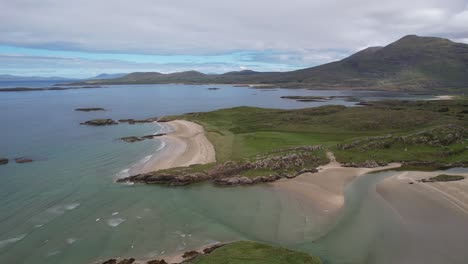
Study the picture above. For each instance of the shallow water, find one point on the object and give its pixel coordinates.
(66, 208)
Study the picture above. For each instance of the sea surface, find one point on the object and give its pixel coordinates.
(65, 207)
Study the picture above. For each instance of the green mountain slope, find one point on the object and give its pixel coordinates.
(411, 63)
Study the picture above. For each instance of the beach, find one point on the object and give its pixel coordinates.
(433, 216)
(324, 191)
(185, 145)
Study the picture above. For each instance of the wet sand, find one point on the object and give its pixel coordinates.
(324, 191)
(433, 216)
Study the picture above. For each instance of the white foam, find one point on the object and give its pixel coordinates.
(7, 241)
(53, 253)
(113, 222)
(71, 240)
(115, 213)
(163, 145)
(71, 206)
(98, 219)
(146, 159)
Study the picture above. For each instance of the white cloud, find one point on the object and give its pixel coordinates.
(207, 26)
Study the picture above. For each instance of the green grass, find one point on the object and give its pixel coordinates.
(445, 178)
(244, 132)
(255, 253)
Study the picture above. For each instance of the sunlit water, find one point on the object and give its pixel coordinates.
(66, 208)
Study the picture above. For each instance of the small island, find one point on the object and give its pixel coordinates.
(3, 161)
(23, 160)
(444, 178)
(90, 109)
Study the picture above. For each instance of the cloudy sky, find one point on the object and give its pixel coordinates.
(81, 38)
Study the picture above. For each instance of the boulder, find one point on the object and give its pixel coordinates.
(100, 122)
(3, 161)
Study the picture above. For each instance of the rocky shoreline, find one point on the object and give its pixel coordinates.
(186, 257)
(233, 173)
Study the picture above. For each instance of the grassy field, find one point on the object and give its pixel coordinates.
(245, 132)
(254, 253)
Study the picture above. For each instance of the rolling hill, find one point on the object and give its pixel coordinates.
(412, 63)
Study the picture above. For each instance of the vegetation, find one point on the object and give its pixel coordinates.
(444, 178)
(255, 253)
(411, 63)
(387, 131)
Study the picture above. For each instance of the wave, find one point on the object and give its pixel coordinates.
(113, 222)
(5, 242)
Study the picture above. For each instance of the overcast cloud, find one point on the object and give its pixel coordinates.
(292, 33)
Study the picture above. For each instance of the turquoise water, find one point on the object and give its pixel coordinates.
(66, 208)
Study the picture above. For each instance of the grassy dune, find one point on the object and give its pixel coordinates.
(250, 252)
(420, 131)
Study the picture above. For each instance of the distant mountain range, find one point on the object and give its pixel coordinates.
(8, 77)
(103, 76)
(412, 63)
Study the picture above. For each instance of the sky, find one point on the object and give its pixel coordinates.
(83, 38)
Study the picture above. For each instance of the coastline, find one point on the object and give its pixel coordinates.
(324, 191)
(185, 144)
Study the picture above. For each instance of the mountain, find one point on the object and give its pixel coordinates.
(8, 77)
(412, 63)
(108, 76)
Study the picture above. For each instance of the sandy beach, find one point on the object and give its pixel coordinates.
(324, 191)
(443, 97)
(185, 145)
(433, 216)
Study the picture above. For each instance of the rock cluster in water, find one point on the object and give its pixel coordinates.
(23, 160)
(187, 256)
(135, 121)
(3, 161)
(100, 122)
(230, 173)
(132, 139)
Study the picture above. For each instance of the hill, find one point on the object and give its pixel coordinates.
(412, 63)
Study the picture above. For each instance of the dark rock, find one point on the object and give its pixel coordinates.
(210, 249)
(127, 261)
(3, 161)
(23, 160)
(90, 109)
(153, 136)
(190, 255)
(162, 261)
(213, 88)
(100, 122)
(110, 261)
(135, 121)
(131, 139)
(365, 164)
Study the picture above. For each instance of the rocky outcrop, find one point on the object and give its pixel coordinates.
(23, 160)
(100, 122)
(231, 173)
(137, 139)
(91, 109)
(213, 88)
(156, 261)
(187, 256)
(139, 121)
(365, 164)
(3, 161)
